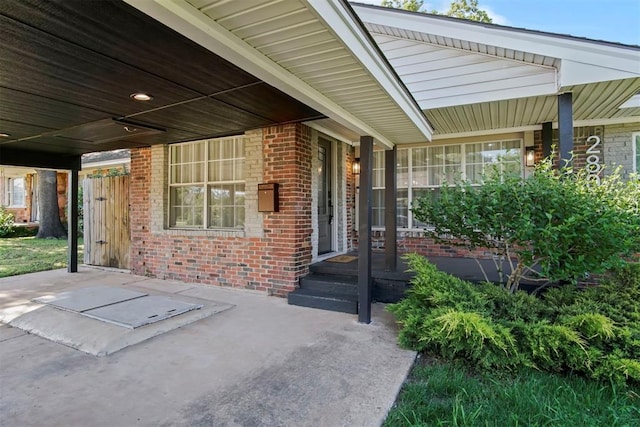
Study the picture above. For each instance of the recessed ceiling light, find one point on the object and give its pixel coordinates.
(140, 96)
(4, 135)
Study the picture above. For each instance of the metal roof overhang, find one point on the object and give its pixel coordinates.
(507, 82)
(315, 51)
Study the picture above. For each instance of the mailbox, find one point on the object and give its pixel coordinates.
(268, 198)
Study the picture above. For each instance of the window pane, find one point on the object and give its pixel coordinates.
(238, 174)
(226, 170)
(377, 208)
(378, 169)
(452, 163)
(403, 168)
(419, 168)
(187, 206)
(17, 192)
(402, 206)
(226, 206)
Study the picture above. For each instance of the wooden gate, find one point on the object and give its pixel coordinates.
(106, 221)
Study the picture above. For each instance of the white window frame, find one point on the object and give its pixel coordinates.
(635, 141)
(10, 193)
(463, 167)
(206, 183)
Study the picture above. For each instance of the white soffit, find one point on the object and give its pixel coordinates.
(442, 76)
(307, 49)
(592, 103)
(580, 61)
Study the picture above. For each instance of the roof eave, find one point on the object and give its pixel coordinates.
(615, 61)
(190, 22)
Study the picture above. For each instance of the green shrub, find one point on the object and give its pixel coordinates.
(627, 275)
(470, 336)
(6, 222)
(593, 331)
(512, 306)
(592, 326)
(618, 369)
(556, 224)
(553, 347)
(23, 231)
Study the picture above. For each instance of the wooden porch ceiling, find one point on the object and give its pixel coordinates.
(69, 67)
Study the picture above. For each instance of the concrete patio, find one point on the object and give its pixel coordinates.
(260, 362)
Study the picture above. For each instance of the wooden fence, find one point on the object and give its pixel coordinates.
(107, 239)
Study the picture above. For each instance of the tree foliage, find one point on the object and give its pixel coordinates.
(556, 225)
(465, 9)
(412, 5)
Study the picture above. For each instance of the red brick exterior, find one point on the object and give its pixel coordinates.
(272, 263)
(580, 144)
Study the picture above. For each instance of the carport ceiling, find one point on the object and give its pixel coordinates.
(69, 67)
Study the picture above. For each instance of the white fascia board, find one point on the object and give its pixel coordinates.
(191, 23)
(578, 73)
(329, 132)
(617, 60)
(104, 163)
(354, 37)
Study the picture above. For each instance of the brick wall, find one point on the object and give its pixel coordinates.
(580, 144)
(273, 250)
(618, 147)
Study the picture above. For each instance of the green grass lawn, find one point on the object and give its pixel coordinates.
(441, 394)
(23, 255)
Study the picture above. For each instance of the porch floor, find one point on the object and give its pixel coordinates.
(464, 268)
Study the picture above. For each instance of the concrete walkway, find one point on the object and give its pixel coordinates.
(259, 363)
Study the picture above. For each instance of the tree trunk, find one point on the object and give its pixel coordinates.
(50, 225)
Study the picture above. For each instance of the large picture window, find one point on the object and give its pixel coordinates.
(206, 184)
(421, 170)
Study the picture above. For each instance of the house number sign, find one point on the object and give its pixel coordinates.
(593, 159)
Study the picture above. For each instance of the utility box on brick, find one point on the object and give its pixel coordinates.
(268, 199)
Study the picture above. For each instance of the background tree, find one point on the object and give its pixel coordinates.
(50, 225)
(412, 5)
(465, 9)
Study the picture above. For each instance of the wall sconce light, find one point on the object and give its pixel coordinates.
(356, 166)
(530, 157)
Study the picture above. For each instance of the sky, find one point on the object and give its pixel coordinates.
(609, 20)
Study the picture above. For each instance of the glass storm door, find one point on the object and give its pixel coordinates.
(325, 204)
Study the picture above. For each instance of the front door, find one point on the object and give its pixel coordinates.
(325, 203)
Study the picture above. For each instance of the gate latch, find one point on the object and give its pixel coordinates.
(102, 242)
